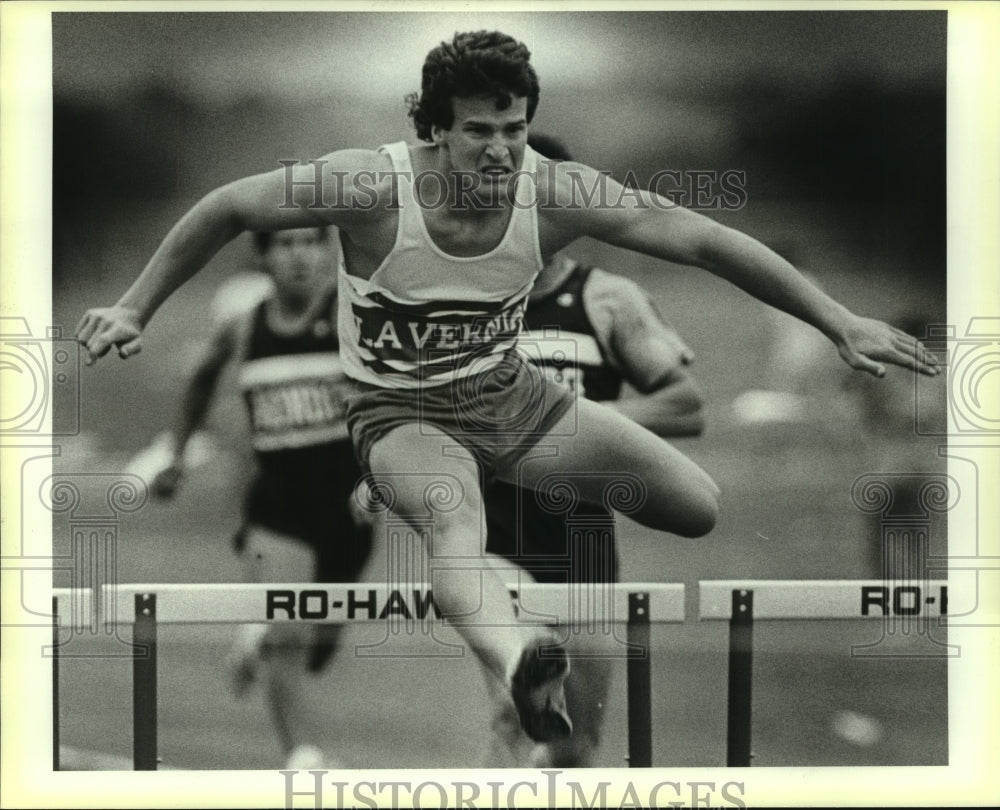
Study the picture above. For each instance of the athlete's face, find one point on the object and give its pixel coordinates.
(299, 261)
(485, 140)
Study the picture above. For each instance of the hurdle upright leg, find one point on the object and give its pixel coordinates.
(55, 683)
(738, 733)
(144, 715)
(639, 674)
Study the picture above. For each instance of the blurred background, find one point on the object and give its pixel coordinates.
(837, 120)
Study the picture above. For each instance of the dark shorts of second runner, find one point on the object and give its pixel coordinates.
(305, 496)
(577, 546)
(307, 501)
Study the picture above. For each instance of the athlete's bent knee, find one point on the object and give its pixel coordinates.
(702, 513)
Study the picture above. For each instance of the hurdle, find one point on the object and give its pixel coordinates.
(742, 602)
(145, 607)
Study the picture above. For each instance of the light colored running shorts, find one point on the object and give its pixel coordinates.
(498, 414)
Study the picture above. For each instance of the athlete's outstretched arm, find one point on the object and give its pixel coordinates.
(323, 192)
(658, 227)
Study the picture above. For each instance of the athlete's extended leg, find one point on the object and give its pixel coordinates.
(607, 458)
(506, 744)
(586, 692)
(285, 648)
(429, 474)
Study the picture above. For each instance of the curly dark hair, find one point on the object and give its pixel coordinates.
(477, 63)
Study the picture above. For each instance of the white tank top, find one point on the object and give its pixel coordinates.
(425, 317)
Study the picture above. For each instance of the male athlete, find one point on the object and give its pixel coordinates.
(593, 331)
(298, 525)
(442, 243)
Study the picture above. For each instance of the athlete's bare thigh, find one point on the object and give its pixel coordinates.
(425, 473)
(605, 457)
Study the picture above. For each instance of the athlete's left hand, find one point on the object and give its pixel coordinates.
(863, 342)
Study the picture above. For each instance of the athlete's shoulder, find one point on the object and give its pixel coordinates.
(570, 205)
(561, 183)
(351, 161)
(360, 181)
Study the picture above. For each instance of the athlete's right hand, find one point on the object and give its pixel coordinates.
(101, 328)
(165, 482)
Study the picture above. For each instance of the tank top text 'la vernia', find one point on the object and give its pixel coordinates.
(426, 318)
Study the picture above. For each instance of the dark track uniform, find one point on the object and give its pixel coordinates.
(574, 544)
(294, 388)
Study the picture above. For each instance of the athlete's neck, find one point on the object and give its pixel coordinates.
(460, 195)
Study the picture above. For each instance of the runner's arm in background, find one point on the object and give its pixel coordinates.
(651, 356)
(196, 399)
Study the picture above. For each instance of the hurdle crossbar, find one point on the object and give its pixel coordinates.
(741, 602)
(145, 606)
(344, 603)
